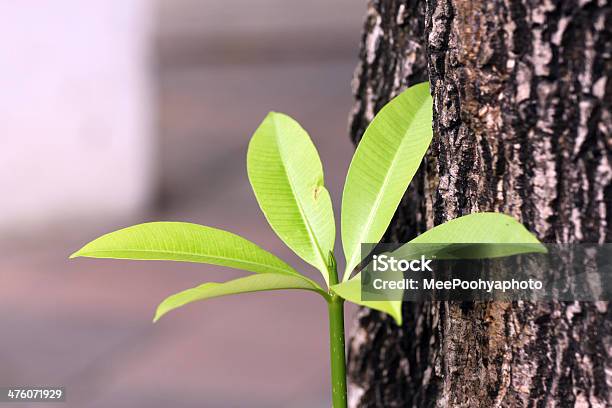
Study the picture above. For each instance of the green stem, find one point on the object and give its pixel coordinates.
(335, 307)
(336, 348)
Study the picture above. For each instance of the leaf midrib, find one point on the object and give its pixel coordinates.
(284, 272)
(374, 208)
(192, 254)
(309, 229)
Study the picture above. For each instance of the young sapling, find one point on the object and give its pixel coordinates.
(286, 175)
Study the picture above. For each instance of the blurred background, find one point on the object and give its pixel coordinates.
(115, 112)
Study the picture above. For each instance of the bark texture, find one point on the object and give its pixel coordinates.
(522, 125)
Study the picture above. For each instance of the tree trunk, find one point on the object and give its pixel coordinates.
(522, 125)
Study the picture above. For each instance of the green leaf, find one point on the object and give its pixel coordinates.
(463, 237)
(474, 236)
(485, 227)
(287, 177)
(386, 159)
(179, 241)
(351, 291)
(252, 283)
(458, 238)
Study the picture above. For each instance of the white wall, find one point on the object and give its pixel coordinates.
(75, 110)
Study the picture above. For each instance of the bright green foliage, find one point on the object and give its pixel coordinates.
(486, 227)
(468, 237)
(181, 241)
(287, 177)
(385, 162)
(509, 235)
(479, 228)
(251, 283)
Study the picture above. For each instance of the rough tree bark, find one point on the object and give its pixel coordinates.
(522, 125)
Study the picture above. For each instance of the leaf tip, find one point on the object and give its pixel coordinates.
(395, 311)
(397, 317)
(159, 313)
(272, 115)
